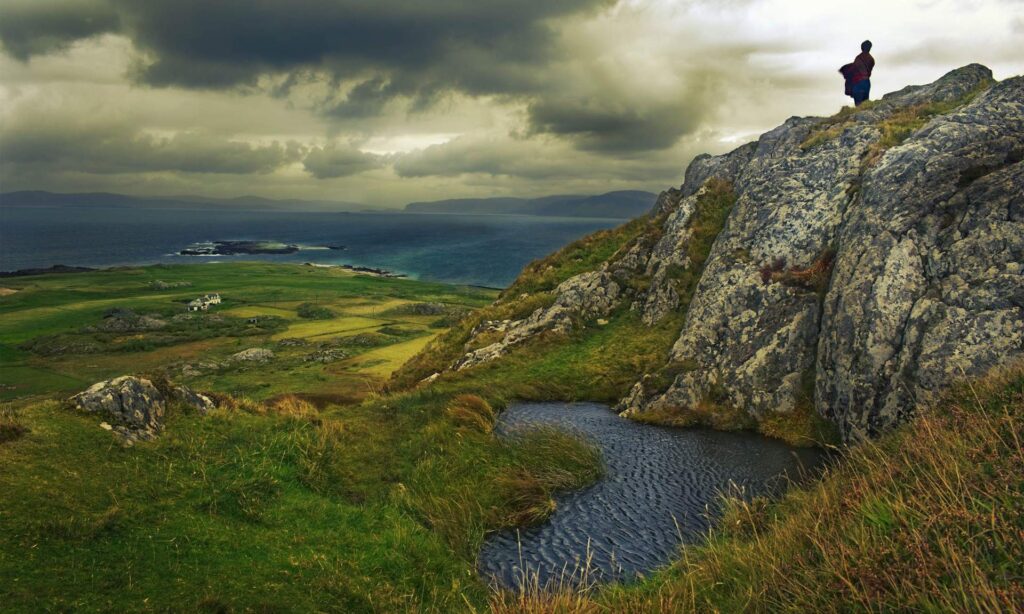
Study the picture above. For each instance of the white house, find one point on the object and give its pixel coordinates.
(203, 302)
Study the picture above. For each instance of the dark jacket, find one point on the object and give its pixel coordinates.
(861, 68)
(847, 71)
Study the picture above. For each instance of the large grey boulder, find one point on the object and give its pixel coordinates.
(128, 401)
(134, 406)
(253, 355)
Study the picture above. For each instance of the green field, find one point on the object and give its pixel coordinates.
(61, 306)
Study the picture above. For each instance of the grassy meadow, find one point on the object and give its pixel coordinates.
(349, 486)
(308, 489)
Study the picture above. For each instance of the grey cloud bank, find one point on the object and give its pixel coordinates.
(400, 100)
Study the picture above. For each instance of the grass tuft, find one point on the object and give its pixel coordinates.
(546, 460)
(293, 407)
(11, 427)
(470, 411)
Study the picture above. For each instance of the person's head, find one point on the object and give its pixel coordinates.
(865, 46)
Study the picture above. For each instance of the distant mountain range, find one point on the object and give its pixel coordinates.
(622, 204)
(40, 198)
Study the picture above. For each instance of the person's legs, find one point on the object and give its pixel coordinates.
(861, 91)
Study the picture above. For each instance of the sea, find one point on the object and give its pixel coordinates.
(481, 250)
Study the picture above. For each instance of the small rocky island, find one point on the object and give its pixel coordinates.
(234, 248)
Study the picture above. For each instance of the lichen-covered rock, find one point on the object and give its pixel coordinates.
(199, 402)
(253, 355)
(586, 296)
(129, 402)
(928, 285)
(927, 279)
(133, 407)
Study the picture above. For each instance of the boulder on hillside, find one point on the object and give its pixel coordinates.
(135, 406)
(253, 355)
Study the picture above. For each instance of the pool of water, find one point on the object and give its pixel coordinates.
(661, 489)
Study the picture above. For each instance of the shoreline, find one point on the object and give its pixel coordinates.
(64, 269)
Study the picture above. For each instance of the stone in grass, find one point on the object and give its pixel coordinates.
(134, 407)
(127, 401)
(253, 355)
(199, 402)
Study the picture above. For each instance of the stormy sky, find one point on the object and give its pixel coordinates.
(388, 101)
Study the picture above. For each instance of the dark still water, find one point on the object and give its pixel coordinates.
(486, 250)
(661, 490)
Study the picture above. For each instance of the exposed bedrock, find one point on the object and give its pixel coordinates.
(928, 284)
(927, 241)
(867, 260)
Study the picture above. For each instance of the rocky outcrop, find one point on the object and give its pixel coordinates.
(866, 261)
(131, 402)
(586, 296)
(135, 406)
(928, 242)
(929, 280)
(121, 320)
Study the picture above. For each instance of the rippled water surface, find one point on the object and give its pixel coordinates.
(661, 489)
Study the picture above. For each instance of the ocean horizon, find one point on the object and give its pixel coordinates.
(469, 249)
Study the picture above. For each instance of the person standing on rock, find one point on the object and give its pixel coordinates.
(858, 74)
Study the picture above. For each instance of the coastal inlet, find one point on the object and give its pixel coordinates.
(662, 488)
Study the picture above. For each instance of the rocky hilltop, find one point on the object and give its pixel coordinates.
(861, 262)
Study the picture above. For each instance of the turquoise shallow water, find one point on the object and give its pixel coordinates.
(486, 250)
(662, 489)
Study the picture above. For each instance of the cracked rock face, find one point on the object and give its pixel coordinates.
(851, 280)
(928, 284)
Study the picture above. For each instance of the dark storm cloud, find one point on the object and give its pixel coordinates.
(60, 145)
(226, 43)
(372, 54)
(339, 161)
(36, 27)
(610, 127)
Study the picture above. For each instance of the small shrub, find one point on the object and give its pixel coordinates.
(814, 277)
(312, 311)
